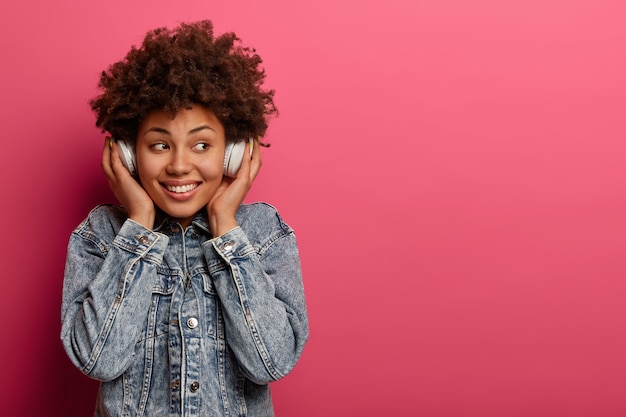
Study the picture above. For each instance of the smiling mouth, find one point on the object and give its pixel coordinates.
(179, 189)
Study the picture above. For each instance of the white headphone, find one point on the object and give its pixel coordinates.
(234, 156)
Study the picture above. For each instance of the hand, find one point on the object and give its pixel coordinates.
(232, 191)
(127, 190)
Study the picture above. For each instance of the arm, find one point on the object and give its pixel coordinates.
(262, 299)
(107, 290)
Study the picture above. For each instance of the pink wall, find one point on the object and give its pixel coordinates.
(454, 170)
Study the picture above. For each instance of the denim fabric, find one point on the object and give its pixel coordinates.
(177, 323)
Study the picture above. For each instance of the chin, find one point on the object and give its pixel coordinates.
(180, 212)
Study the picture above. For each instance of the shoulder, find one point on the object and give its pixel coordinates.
(261, 221)
(260, 214)
(103, 222)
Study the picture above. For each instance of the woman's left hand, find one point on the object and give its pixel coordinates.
(232, 191)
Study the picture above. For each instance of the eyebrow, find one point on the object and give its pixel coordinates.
(167, 132)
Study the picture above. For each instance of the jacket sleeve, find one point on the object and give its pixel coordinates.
(261, 291)
(107, 290)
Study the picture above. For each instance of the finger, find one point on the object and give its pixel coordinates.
(106, 157)
(256, 162)
(226, 181)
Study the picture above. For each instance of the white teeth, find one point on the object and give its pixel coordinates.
(181, 188)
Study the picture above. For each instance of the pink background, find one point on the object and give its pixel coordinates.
(454, 171)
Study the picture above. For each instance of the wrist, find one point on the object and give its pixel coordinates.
(220, 227)
(144, 219)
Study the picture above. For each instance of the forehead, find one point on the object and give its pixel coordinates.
(184, 121)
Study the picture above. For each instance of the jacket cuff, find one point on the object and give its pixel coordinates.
(230, 245)
(139, 240)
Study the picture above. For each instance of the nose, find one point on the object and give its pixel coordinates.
(179, 163)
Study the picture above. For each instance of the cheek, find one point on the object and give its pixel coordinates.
(148, 170)
(144, 170)
(213, 167)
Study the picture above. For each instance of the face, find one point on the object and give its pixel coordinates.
(180, 161)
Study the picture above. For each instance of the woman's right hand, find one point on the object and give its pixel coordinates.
(127, 190)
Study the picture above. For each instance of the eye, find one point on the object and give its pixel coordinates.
(159, 147)
(201, 146)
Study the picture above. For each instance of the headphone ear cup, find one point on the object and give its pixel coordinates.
(127, 155)
(227, 157)
(233, 158)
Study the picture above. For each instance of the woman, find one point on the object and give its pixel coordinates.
(184, 301)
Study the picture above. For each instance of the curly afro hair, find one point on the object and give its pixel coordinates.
(177, 68)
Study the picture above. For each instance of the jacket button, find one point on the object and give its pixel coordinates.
(192, 323)
(142, 239)
(195, 386)
(228, 246)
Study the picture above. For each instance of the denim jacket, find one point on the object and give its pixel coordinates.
(177, 323)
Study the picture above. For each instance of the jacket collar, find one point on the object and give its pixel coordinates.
(164, 223)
